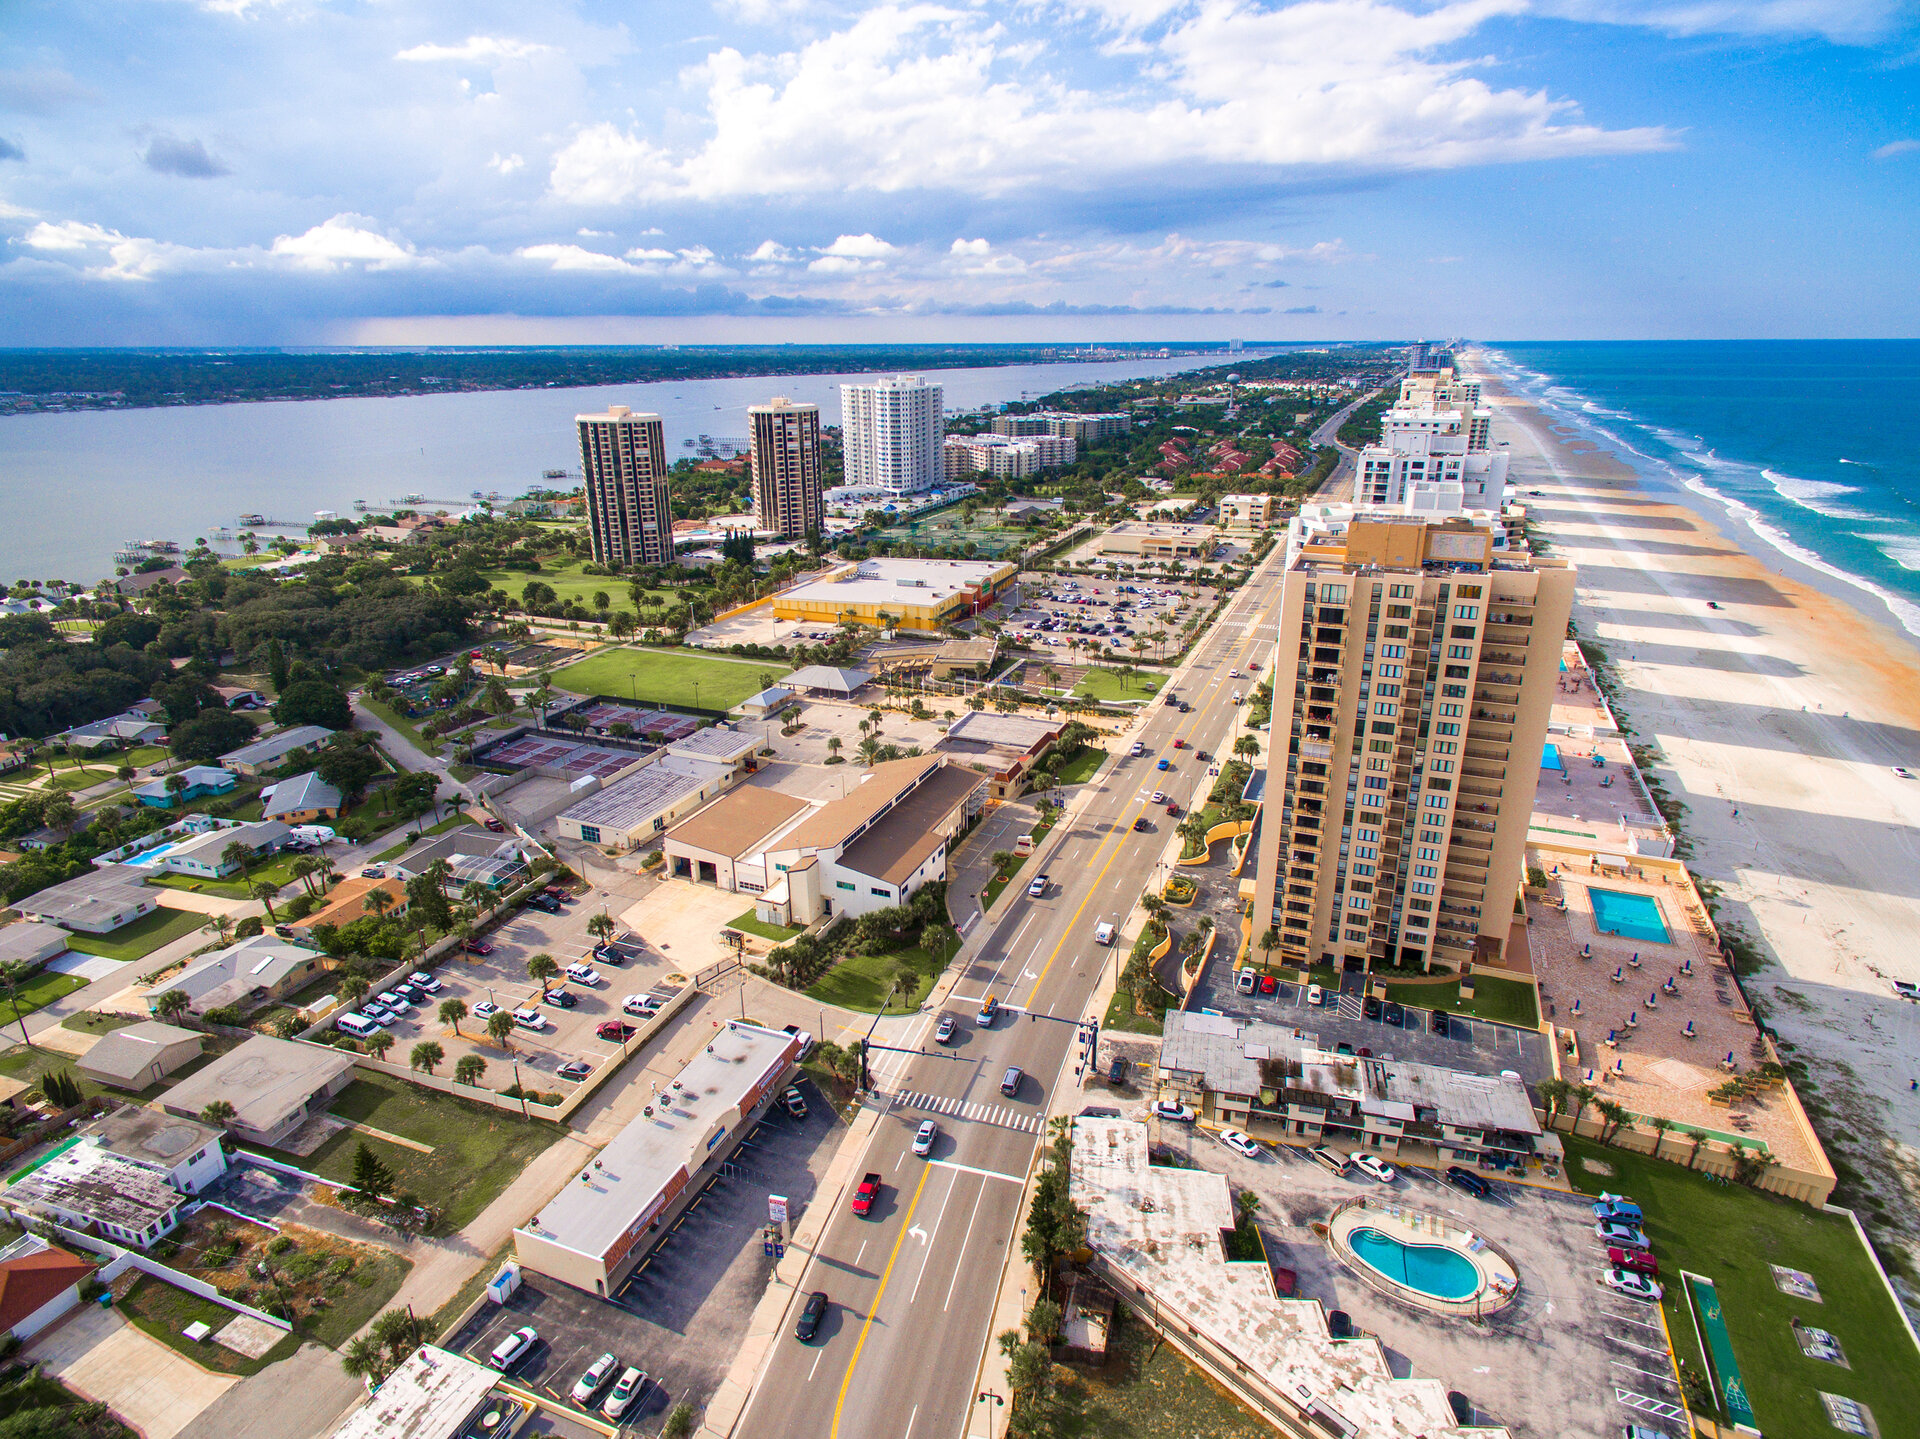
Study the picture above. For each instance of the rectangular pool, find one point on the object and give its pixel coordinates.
(1550, 757)
(1633, 916)
(149, 858)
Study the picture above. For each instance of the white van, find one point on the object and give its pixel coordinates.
(358, 1025)
(1103, 933)
(1236, 696)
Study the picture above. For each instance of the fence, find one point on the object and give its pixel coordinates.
(121, 1260)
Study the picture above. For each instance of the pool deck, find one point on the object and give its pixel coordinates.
(1665, 1075)
(1499, 1280)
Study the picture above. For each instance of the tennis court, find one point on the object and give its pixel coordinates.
(602, 715)
(538, 751)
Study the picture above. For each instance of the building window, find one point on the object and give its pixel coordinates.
(842, 884)
(882, 893)
(590, 833)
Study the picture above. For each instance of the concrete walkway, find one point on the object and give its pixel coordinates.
(101, 1355)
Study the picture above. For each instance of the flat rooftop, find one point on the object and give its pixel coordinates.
(149, 1137)
(717, 744)
(89, 1180)
(639, 797)
(1013, 732)
(92, 898)
(737, 822)
(907, 582)
(428, 1397)
(265, 1080)
(1160, 1229)
(650, 1158)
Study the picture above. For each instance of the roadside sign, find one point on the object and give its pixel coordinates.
(776, 1208)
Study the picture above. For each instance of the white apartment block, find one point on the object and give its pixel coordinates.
(892, 431)
(624, 459)
(1425, 457)
(1005, 456)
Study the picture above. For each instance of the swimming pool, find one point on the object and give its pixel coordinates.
(153, 856)
(1431, 1269)
(1634, 916)
(1550, 757)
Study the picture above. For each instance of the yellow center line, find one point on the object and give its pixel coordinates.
(906, 1221)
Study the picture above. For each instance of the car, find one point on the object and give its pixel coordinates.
(485, 1010)
(1370, 1007)
(1117, 1070)
(1639, 1261)
(944, 1032)
(1179, 744)
(1240, 1143)
(1902, 772)
(574, 1069)
(513, 1348)
(476, 946)
(1185, 707)
(1173, 809)
(583, 974)
(530, 1019)
(394, 1001)
(1330, 1159)
(644, 1005)
(607, 954)
(614, 1030)
(560, 998)
(864, 1196)
(378, 1012)
(1159, 797)
(1141, 826)
(1246, 980)
(631, 1384)
(811, 1313)
(544, 902)
(1634, 1286)
(1374, 1169)
(924, 1136)
(1010, 1081)
(1316, 995)
(1164, 764)
(1617, 1231)
(1617, 1206)
(1441, 1022)
(794, 1102)
(1269, 985)
(588, 1386)
(1174, 1112)
(1037, 886)
(1906, 989)
(373, 872)
(1467, 1182)
(494, 825)
(1391, 1013)
(1137, 749)
(420, 979)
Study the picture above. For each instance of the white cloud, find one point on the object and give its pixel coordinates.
(572, 257)
(584, 233)
(1847, 22)
(505, 164)
(859, 247)
(760, 12)
(343, 240)
(68, 235)
(970, 247)
(1896, 147)
(656, 255)
(773, 253)
(477, 49)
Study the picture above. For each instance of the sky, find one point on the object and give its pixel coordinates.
(265, 172)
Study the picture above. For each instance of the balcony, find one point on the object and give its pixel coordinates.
(1316, 749)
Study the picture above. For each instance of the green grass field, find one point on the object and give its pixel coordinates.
(1505, 1001)
(1080, 768)
(1732, 1235)
(752, 924)
(163, 1310)
(861, 982)
(1108, 685)
(571, 585)
(38, 992)
(1148, 1390)
(280, 872)
(142, 937)
(668, 676)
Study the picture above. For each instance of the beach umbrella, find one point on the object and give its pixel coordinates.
(1619, 974)
(1619, 1066)
(1688, 1031)
(1576, 1006)
(1633, 1019)
(1612, 1037)
(1729, 1058)
(1653, 999)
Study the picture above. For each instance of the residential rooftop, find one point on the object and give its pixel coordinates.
(265, 1080)
(89, 899)
(276, 746)
(102, 1186)
(146, 1136)
(430, 1396)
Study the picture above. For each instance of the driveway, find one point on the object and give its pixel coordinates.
(99, 1354)
(256, 1407)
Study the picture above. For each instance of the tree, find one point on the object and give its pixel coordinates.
(426, 1055)
(217, 1113)
(1556, 1093)
(314, 701)
(389, 1340)
(370, 1173)
(59, 813)
(1246, 745)
(264, 890)
(208, 735)
(1583, 1095)
(240, 856)
(601, 926)
(172, 1004)
(349, 768)
(352, 988)
(378, 1043)
(1614, 1114)
(833, 744)
(377, 902)
(541, 968)
(452, 1011)
(468, 1069)
(500, 1028)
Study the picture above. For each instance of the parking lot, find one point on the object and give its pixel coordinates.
(684, 1312)
(1567, 1357)
(1070, 613)
(1474, 1045)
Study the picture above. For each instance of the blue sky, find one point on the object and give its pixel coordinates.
(396, 171)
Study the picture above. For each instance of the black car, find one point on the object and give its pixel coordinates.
(1392, 1013)
(560, 998)
(1467, 1182)
(1442, 1021)
(1141, 826)
(1117, 1071)
(811, 1314)
(1370, 1007)
(544, 902)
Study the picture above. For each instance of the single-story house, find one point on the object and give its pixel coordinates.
(184, 1152)
(247, 974)
(347, 901)
(138, 1055)
(274, 1086)
(88, 1188)
(98, 902)
(15, 754)
(302, 800)
(139, 584)
(271, 752)
(237, 698)
(125, 730)
(473, 855)
(768, 702)
(31, 945)
(201, 780)
(205, 855)
(38, 1283)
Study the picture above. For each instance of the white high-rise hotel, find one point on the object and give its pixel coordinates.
(892, 430)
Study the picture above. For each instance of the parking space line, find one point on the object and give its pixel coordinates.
(1666, 1379)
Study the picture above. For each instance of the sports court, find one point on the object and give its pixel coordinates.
(603, 715)
(530, 751)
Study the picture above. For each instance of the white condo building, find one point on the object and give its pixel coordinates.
(892, 431)
(1435, 450)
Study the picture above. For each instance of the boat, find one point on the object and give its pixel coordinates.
(475, 495)
(253, 519)
(553, 474)
(163, 547)
(361, 505)
(413, 499)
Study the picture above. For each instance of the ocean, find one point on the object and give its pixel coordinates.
(1814, 444)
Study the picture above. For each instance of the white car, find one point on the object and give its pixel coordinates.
(513, 1347)
(1316, 995)
(1037, 886)
(1159, 797)
(1906, 989)
(595, 1379)
(629, 1387)
(924, 1137)
(640, 1004)
(396, 1002)
(420, 979)
(1634, 1286)
(1174, 1112)
(1902, 772)
(485, 1010)
(1241, 1143)
(1233, 674)
(1380, 1172)
(530, 1019)
(583, 974)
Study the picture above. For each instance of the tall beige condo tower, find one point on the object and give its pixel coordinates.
(624, 459)
(1414, 669)
(786, 467)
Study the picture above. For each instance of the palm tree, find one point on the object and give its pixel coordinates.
(601, 926)
(176, 791)
(217, 1114)
(352, 988)
(1613, 1114)
(238, 855)
(1269, 942)
(303, 869)
(1246, 745)
(377, 902)
(500, 1028)
(1583, 1094)
(172, 1004)
(264, 891)
(222, 926)
(425, 1055)
(833, 744)
(378, 1043)
(541, 968)
(1556, 1093)
(452, 1011)
(1660, 1125)
(468, 1069)
(869, 750)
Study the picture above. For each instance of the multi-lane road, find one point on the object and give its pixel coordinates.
(913, 1284)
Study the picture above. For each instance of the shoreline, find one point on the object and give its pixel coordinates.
(1778, 709)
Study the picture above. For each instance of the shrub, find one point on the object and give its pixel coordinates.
(252, 925)
(279, 1245)
(225, 1014)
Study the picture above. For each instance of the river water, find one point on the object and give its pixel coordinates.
(75, 487)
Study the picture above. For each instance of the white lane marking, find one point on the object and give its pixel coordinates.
(983, 1173)
(959, 1268)
(816, 1362)
(857, 1257)
(910, 1418)
(926, 1256)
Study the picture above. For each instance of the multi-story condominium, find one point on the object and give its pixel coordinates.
(892, 431)
(1002, 455)
(1441, 390)
(1414, 669)
(1426, 456)
(786, 468)
(1086, 429)
(1251, 512)
(624, 459)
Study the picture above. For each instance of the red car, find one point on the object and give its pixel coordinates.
(1179, 744)
(1268, 984)
(616, 1031)
(477, 946)
(864, 1196)
(1636, 1261)
(495, 826)
(1173, 809)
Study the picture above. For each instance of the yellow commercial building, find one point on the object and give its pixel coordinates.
(911, 594)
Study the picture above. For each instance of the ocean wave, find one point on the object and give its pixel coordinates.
(1903, 550)
(1815, 495)
(1861, 463)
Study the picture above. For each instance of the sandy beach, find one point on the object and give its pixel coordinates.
(1779, 717)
